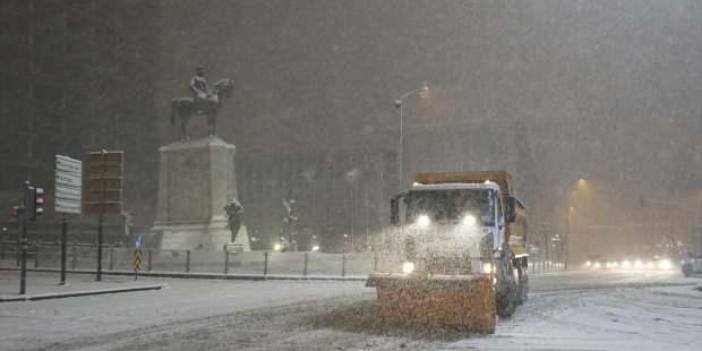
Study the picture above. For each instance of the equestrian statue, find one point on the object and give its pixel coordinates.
(205, 102)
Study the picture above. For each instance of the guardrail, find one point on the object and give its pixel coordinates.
(302, 264)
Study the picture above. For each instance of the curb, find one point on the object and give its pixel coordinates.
(48, 296)
(179, 275)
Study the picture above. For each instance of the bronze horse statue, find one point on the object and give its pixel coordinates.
(185, 107)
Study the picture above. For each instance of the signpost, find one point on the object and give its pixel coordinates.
(31, 209)
(103, 190)
(67, 198)
(137, 255)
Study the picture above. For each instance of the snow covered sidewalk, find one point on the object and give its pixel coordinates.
(45, 286)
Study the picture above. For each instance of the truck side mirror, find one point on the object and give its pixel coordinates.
(510, 210)
(395, 210)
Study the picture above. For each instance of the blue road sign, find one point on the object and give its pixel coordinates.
(139, 241)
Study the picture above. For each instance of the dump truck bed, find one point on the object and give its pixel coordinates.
(502, 178)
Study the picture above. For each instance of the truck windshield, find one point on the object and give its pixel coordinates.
(451, 204)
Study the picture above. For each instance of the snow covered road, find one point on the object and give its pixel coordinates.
(566, 311)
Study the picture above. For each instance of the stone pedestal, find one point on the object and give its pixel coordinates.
(196, 181)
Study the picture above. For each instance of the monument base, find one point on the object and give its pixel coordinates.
(197, 179)
(213, 235)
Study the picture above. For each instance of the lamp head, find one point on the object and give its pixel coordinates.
(425, 86)
(398, 103)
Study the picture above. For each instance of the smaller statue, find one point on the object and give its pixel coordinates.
(289, 222)
(234, 210)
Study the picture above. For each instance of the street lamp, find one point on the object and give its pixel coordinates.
(399, 102)
(571, 211)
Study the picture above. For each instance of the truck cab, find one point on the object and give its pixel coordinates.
(451, 228)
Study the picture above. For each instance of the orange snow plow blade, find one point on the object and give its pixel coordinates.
(456, 302)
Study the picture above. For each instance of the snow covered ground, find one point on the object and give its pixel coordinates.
(566, 311)
(649, 318)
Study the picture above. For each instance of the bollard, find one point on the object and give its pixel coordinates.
(112, 258)
(148, 260)
(343, 265)
(265, 263)
(36, 257)
(226, 260)
(187, 261)
(304, 271)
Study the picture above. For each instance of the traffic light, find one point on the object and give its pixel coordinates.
(34, 202)
(38, 202)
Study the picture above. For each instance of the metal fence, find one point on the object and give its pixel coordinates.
(260, 263)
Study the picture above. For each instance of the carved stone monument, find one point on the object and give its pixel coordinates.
(196, 182)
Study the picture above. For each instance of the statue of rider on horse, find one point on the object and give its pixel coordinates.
(205, 102)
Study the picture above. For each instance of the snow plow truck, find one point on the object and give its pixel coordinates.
(461, 239)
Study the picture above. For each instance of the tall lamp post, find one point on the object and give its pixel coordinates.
(571, 191)
(399, 102)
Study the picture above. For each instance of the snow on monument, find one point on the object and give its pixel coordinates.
(197, 178)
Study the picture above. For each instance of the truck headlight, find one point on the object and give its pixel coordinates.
(423, 221)
(469, 220)
(407, 267)
(487, 268)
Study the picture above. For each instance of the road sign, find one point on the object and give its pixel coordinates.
(137, 260)
(139, 241)
(69, 183)
(103, 182)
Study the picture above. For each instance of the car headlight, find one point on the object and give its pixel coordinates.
(626, 264)
(423, 221)
(588, 263)
(407, 267)
(597, 265)
(638, 264)
(665, 264)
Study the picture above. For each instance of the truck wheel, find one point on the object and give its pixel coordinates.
(507, 295)
(506, 301)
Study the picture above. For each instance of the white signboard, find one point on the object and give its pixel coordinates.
(69, 180)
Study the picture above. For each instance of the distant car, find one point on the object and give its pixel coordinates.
(691, 265)
(656, 263)
(596, 262)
